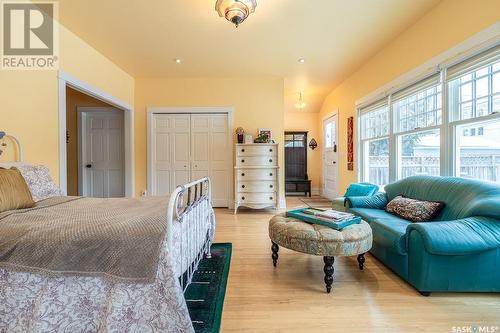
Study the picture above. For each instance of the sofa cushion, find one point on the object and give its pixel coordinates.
(414, 210)
(462, 197)
(459, 237)
(361, 190)
(388, 230)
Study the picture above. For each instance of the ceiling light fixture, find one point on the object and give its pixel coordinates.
(301, 60)
(177, 61)
(235, 11)
(300, 104)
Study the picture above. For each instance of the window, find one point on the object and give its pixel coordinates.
(375, 143)
(474, 86)
(329, 135)
(418, 154)
(420, 109)
(294, 140)
(479, 156)
(401, 135)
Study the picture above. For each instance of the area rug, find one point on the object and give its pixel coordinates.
(205, 295)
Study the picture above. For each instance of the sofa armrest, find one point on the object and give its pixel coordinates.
(458, 237)
(377, 201)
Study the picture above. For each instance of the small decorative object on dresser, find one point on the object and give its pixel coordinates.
(240, 132)
(266, 131)
(248, 138)
(256, 176)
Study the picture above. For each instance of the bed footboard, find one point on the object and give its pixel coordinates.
(191, 206)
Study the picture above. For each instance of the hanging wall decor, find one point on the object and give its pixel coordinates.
(350, 143)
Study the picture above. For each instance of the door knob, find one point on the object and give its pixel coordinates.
(88, 166)
(334, 162)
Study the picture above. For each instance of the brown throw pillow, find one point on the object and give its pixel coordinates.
(414, 210)
(14, 193)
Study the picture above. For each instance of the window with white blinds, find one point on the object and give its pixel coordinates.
(402, 134)
(474, 86)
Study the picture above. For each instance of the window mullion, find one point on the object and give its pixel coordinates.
(392, 142)
(446, 153)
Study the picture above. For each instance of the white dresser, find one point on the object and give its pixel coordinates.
(256, 176)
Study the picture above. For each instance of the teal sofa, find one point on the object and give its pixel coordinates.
(458, 251)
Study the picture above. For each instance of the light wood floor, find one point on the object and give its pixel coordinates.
(292, 298)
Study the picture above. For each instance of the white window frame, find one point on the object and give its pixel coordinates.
(447, 128)
(361, 146)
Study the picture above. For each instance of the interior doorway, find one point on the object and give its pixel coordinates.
(296, 177)
(94, 147)
(330, 157)
(101, 163)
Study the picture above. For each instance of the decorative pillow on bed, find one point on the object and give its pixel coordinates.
(39, 182)
(14, 193)
(414, 210)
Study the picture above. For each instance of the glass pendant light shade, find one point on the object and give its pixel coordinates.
(235, 11)
(300, 104)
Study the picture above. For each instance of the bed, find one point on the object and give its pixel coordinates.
(51, 299)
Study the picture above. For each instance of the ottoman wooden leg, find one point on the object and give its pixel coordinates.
(275, 248)
(328, 269)
(361, 261)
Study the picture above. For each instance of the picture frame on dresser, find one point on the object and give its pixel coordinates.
(267, 131)
(256, 176)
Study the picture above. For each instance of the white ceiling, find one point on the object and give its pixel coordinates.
(334, 36)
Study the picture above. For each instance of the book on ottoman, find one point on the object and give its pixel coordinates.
(329, 218)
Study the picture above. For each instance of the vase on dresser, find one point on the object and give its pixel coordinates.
(256, 176)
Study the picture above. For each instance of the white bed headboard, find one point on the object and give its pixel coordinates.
(20, 155)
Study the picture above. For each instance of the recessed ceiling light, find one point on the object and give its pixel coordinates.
(177, 61)
(301, 60)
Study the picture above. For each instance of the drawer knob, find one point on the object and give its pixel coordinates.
(243, 150)
(242, 198)
(271, 186)
(242, 161)
(270, 161)
(270, 198)
(242, 186)
(243, 174)
(271, 150)
(271, 174)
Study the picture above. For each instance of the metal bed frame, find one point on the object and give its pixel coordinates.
(190, 205)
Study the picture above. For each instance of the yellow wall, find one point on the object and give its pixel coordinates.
(307, 121)
(447, 24)
(257, 102)
(29, 99)
(74, 100)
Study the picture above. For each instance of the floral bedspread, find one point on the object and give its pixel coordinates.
(35, 303)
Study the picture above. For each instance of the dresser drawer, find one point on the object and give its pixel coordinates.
(256, 186)
(257, 149)
(255, 174)
(256, 198)
(243, 161)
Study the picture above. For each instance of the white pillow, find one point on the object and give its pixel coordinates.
(39, 182)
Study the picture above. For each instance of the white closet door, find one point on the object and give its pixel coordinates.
(210, 154)
(170, 148)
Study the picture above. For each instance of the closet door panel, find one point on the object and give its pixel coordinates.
(220, 172)
(180, 148)
(189, 147)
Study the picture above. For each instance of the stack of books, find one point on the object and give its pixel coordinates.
(330, 218)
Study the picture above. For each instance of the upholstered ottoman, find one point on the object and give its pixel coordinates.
(320, 240)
